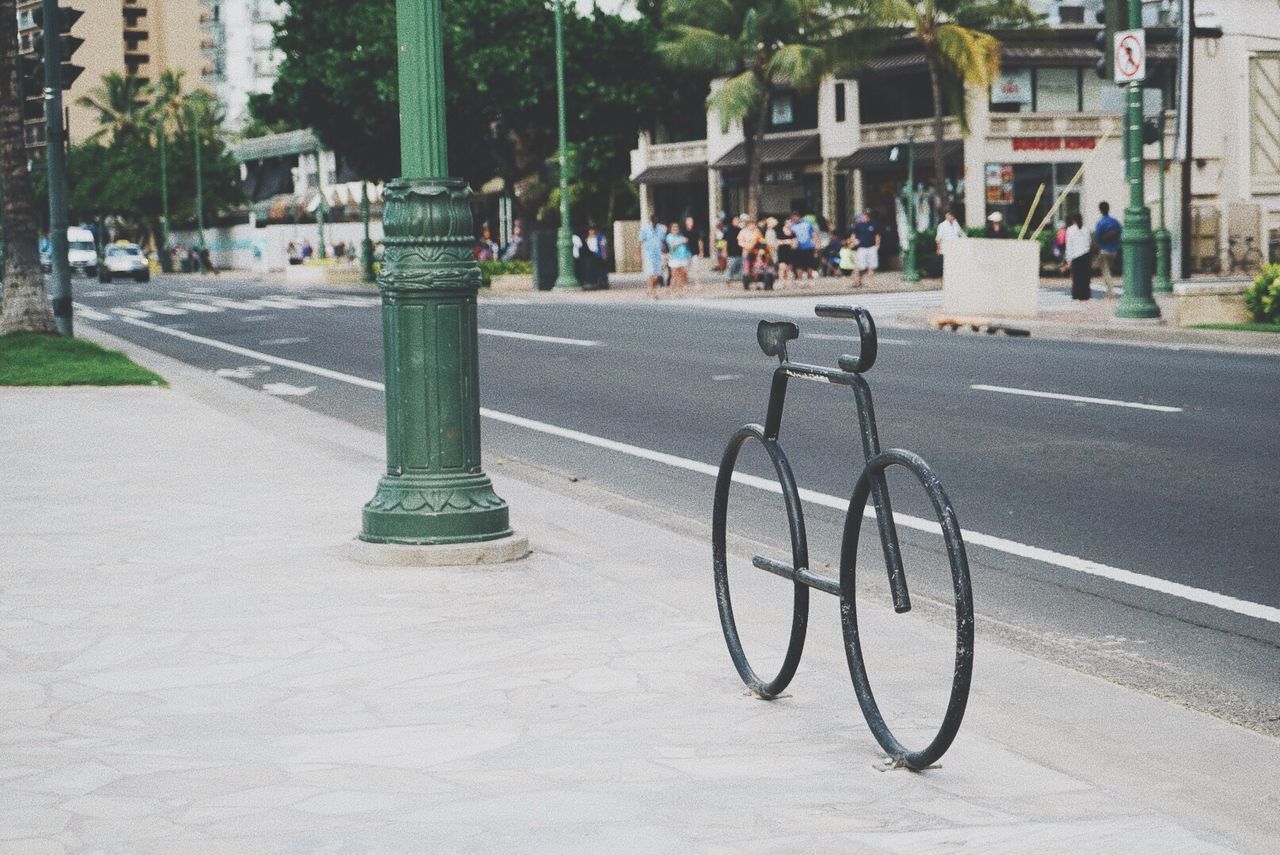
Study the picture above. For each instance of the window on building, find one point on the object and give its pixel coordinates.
(895, 98)
(1264, 108)
(793, 111)
(1038, 90)
(840, 104)
(1057, 90)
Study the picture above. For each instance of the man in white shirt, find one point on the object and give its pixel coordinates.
(948, 229)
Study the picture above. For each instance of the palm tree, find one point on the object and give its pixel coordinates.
(26, 303)
(761, 46)
(959, 50)
(122, 102)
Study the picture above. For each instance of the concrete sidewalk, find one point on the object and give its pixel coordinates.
(192, 664)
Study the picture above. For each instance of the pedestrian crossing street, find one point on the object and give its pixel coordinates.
(179, 304)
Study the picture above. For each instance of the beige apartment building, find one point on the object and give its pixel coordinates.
(138, 37)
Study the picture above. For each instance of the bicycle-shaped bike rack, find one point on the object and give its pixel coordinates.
(871, 485)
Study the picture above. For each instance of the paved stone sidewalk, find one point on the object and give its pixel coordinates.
(189, 663)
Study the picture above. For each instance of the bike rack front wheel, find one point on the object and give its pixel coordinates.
(799, 556)
(963, 671)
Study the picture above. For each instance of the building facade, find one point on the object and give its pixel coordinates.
(1049, 128)
(138, 37)
(238, 44)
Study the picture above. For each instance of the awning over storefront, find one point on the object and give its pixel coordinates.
(682, 173)
(805, 149)
(877, 156)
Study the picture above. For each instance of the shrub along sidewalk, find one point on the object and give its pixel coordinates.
(50, 360)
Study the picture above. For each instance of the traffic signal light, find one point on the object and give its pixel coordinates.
(31, 68)
(1114, 17)
(68, 44)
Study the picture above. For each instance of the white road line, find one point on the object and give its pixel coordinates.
(258, 355)
(129, 314)
(89, 314)
(1079, 399)
(1270, 614)
(200, 307)
(828, 337)
(548, 339)
(719, 377)
(160, 307)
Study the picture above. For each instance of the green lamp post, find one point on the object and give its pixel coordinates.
(195, 130)
(166, 261)
(1164, 241)
(1137, 303)
(366, 246)
(910, 273)
(566, 278)
(434, 491)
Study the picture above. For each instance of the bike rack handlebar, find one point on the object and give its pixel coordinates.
(867, 346)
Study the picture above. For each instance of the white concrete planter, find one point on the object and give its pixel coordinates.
(981, 276)
(1219, 302)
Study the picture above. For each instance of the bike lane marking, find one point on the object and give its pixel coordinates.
(1074, 563)
(1079, 399)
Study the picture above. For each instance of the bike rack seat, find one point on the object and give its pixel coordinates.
(774, 335)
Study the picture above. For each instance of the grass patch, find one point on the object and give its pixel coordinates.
(54, 360)
(1247, 327)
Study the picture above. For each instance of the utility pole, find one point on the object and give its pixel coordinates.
(56, 160)
(1136, 304)
(434, 491)
(567, 278)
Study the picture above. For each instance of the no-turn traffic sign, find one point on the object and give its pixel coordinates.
(1130, 60)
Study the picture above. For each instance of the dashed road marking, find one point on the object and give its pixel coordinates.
(546, 339)
(1079, 399)
(1271, 614)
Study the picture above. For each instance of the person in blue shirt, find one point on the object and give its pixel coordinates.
(652, 247)
(802, 259)
(1106, 234)
(866, 240)
(679, 255)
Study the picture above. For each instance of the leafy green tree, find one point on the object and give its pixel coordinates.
(339, 78)
(122, 102)
(763, 47)
(959, 49)
(115, 174)
(26, 303)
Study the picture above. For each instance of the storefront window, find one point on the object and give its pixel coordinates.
(1012, 187)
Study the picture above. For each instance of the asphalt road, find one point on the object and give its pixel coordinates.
(1165, 478)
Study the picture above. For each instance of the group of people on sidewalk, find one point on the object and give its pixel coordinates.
(1076, 245)
(759, 251)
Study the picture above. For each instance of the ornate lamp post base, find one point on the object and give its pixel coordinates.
(434, 491)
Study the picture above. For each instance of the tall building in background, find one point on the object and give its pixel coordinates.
(241, 59)
(138, 37)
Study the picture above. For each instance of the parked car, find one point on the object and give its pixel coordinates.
(82, 252)
(124, 259)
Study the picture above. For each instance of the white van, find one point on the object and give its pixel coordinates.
(82, 253)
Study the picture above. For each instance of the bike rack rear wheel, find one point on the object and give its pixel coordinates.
(963, 672)
(799, 555)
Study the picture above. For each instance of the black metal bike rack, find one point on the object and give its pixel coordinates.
(871, 486)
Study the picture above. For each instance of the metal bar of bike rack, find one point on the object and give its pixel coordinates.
(804, 576)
